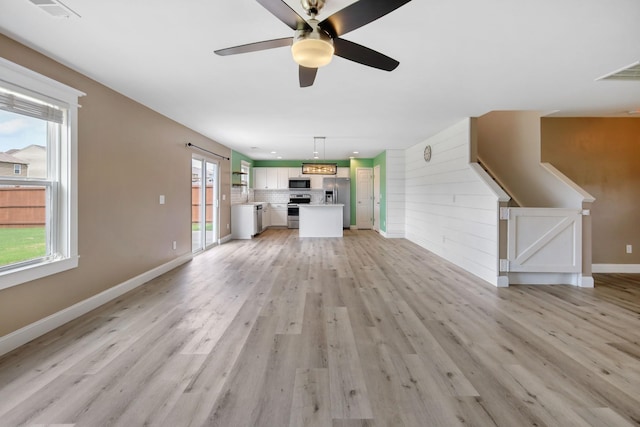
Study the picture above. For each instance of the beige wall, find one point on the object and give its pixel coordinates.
(602, 155)
(128, 155)
(508, 144)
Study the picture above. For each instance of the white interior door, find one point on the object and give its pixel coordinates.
(364, 198)
(376, 198)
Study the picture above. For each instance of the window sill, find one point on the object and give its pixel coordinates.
(32, 272)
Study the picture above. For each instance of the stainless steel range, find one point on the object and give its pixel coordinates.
(293, 212)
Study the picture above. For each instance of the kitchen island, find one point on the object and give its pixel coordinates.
(320, 220)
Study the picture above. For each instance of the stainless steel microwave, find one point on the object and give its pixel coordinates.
(299, 183)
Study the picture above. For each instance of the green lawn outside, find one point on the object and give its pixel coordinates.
(21, 244)
(196, 226)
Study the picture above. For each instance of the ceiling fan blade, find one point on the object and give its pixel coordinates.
(363, 55)
(306, 75)
(358, 14)
(254, 47)
(283, 12)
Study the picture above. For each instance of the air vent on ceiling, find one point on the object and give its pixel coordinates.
(55, 8)
(630, 72)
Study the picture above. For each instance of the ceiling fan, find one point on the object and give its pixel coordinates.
(315, 42)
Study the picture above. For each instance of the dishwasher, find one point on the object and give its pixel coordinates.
(258, 229)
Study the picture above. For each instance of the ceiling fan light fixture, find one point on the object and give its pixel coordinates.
(312, 49)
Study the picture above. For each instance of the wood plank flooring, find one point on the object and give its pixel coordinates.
(359, 331)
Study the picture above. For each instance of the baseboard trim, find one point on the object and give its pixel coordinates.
(394, 236)
(573, 279)
(225, 239)
(615, 268)
(587, 282)
(36, 329)
(501, 282)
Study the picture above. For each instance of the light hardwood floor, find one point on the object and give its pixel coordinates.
(359, 331)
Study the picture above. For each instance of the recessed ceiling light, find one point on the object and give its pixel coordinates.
(273, 152)
(351, 157)
(279, 157)
(356, 152)
(633, 112)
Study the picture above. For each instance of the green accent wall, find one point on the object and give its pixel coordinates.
(381, 160)
(236, 162)
(237, 158)
(352, 164)
(294, 163)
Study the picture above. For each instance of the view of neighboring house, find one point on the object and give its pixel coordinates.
(11, 165)
(35, 156)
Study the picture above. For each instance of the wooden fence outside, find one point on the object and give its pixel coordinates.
(26, 206)
(22, 207)
(195, 204)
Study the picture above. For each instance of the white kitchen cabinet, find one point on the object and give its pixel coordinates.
(243, 221)
(316, 181)
(259, 178)
(272, 178)
(278, 214)
(344, 172)
(283, 178)
(295, 172)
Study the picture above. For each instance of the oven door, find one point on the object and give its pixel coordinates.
(293, 216)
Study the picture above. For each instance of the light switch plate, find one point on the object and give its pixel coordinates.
(162, 199)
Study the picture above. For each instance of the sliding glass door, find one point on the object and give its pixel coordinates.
(204, 203)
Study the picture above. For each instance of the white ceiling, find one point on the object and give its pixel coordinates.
(458, 58)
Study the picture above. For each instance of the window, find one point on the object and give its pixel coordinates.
(38, 203)
(245, 178)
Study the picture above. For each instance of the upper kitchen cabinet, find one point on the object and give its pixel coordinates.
(260, 178)
(316, 182)
(270, 178)
(283, 178)
(295, 172)
(276, 178)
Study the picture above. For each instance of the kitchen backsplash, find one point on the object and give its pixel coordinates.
(282, 196)
(271, 196)
(238, 196)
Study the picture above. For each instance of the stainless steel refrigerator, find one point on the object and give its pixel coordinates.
(338, 190)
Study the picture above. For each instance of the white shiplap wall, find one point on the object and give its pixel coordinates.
(449, 210)
(395, 194)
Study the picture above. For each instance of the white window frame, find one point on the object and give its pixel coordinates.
(245, 168)
(64, 192)
(17, 169)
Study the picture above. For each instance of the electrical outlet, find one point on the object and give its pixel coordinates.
(629, 249)
(227, 226)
